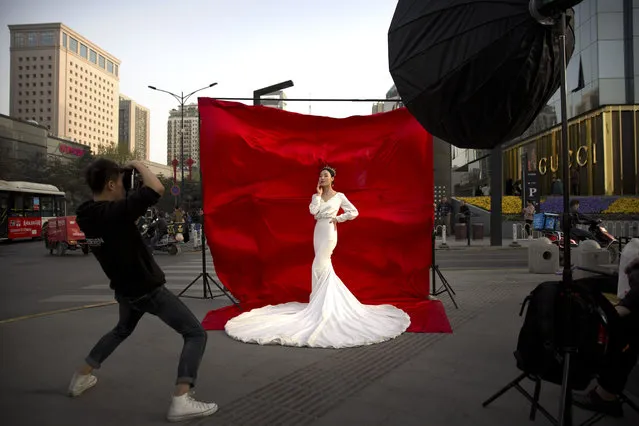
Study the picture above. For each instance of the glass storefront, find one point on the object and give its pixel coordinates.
(602, 73)
(604, 153)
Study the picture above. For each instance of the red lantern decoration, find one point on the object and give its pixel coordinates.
(175, 163)
(190, 163)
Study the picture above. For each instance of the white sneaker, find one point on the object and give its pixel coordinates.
(185, 407)
(80, 383)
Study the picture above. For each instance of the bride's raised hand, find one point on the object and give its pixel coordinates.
(319, 189)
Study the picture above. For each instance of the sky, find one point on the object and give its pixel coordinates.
(328, 48)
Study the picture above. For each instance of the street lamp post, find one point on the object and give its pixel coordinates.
(257, 94)
(182, 100)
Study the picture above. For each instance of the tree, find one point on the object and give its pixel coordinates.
(68, 176)
(191, 198)
(118, 153)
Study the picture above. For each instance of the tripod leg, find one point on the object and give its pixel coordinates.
(541, 409)
(625, 400)
(535, 404)
(447, 287)
(565, 405)
(445, 282)
(595, 418)
(206, 287)
(190, 284)
(223, 290)
(504, 389)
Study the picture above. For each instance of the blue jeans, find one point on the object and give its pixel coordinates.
(173, 312)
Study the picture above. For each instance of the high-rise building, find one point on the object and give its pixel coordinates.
(191, 137)
(274, 100)
(134, 127)
(377, 108)
(64, 82)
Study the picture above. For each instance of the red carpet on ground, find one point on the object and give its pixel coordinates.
(260, 168)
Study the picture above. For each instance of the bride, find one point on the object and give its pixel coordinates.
(333, 318)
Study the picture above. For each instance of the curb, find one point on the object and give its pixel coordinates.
(488, 248)
(440, 246)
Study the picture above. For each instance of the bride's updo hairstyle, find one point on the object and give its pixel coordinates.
(329, 169)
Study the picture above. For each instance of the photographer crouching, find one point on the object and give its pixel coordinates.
(109, 223)
(622, 353)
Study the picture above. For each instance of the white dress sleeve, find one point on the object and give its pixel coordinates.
(350, 212)
(315, 204)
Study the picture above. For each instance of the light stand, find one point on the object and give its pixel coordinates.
(565, 404)
(206, 278)
(206, 287)
(446, 287)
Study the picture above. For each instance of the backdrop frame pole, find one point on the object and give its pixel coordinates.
(307, 100)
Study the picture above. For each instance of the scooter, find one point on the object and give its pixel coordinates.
(598, 233)
(167, 243)
(604, 238)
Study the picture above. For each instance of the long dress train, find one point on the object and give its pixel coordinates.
(333, 318)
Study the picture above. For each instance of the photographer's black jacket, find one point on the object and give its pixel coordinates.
(113, 236)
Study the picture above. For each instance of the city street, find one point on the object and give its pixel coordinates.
(34, 281)
(416, 379)
(44, 332)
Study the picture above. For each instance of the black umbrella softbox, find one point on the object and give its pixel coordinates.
(474, 73)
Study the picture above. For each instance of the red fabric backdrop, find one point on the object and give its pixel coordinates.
(260, 167)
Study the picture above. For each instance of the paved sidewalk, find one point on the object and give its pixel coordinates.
(417, 379)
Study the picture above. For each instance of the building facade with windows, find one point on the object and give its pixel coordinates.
(160, 169)
(274, 100)
(24, 143)
(191, 137)
(603, 114)
(64, 82)
(134, 127)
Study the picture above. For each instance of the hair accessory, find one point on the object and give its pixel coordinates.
(330, 170)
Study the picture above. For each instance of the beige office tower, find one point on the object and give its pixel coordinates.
(65, 82)
(134, 124)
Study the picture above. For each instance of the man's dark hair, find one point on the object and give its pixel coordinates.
(99, 172)
(573, 203)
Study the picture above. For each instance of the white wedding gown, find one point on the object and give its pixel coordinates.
(333, 318)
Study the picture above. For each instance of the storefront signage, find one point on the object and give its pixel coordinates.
(24, 227)
(553, 161)
(67, 149)
(531, 189)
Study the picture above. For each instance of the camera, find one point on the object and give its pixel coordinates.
(131, 179)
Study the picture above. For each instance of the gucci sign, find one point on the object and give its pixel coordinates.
(581, 159)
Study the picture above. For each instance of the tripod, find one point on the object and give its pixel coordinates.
(446, 287)
(206, 278)
(207, 293)
(534, 400)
